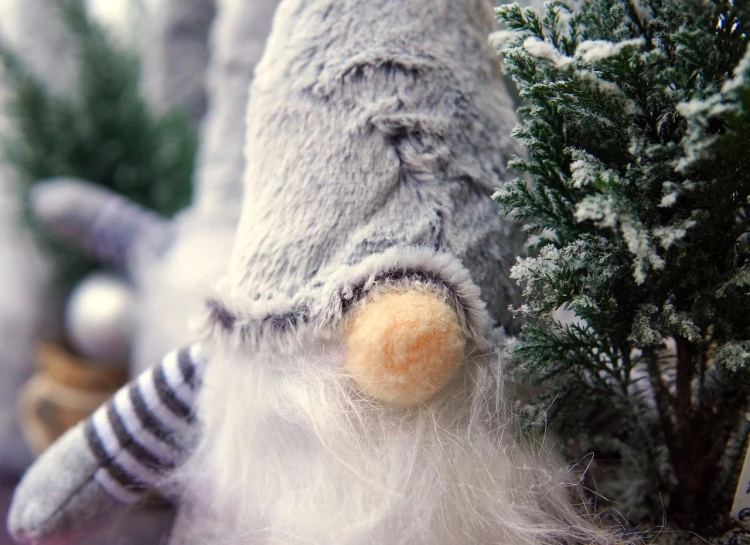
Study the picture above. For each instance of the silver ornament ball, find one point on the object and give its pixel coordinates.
(100, 318)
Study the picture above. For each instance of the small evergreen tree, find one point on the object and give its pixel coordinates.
(636, 118)
(103, 132)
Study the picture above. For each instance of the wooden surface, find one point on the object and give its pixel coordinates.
(144, 527)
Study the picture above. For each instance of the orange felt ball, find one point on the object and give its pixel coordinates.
(403, 347)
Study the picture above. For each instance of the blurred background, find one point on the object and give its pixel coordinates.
(121, 128)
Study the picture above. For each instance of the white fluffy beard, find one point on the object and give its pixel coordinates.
(291, 454)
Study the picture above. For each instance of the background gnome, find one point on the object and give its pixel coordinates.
(174, 262)
(347, 389)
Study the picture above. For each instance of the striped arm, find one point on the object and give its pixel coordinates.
(134, 437)
(99, 221)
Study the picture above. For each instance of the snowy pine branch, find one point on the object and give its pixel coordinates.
(634, 118)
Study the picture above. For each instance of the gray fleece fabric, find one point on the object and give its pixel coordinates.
(60, 501)
(377, 131)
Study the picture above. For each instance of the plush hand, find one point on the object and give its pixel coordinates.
(103, 466)
(99, 221)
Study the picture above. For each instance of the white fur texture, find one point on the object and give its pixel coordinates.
(292, 455)
(172, 288)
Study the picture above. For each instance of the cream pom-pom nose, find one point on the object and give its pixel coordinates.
(403, 347)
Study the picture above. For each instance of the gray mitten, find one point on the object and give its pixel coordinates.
(60, 501)
(100, 222)
(96, 471)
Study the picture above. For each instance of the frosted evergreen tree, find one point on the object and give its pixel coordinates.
(635, 193)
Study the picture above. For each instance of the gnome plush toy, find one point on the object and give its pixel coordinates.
(347, 389)
(173, 263)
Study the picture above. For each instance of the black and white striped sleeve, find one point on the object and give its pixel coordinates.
(135, 436)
